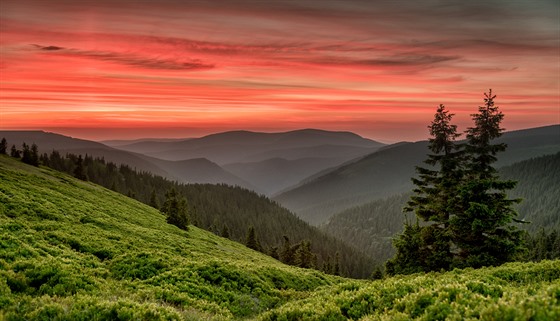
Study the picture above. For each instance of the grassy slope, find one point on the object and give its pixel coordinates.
(75, 251)
(515, 291)
(78, 249)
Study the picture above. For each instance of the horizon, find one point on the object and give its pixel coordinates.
(127, 69)
(178, 138)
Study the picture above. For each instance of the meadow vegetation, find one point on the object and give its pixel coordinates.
(229, 211)
(73, 250)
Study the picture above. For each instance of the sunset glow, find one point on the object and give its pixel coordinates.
(131, 69)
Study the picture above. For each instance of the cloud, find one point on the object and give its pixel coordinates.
(394, 61)
(129, 59)
(409, 60)
(48, 48)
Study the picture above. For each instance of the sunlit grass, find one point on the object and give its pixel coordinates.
(72, 250)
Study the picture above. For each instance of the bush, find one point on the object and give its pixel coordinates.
(140, 266)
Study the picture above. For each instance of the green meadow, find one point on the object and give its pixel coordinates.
(72, 250)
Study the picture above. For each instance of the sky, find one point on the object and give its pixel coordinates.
(121, 69)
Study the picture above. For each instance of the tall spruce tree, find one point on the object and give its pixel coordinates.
(482, 230)
(251, 240)
(336, 267)
(14, 152)
(4, 146)
(303, 255)
(434, 202)
(34, 155)
(175, 209)
(26, 153)
(287, 254)
(154, 202)
(79, 171)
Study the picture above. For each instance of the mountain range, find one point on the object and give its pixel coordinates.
(269, 162)
(187, 171)
(245, 146)
(370, 227)
(389, 170)
(264, 162)
(314, 173)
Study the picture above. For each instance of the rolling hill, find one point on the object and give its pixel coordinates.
(269, 162)
(246, 146)
(72, 250)
(388, 172)
(203, 160)
(226, 210)
(48, 142)
(187, 171)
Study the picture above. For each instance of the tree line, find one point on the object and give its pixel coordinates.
(232, 212)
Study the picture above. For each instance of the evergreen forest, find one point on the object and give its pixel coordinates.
(225, 210)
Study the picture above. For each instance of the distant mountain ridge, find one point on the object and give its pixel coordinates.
(47, 142)
(242, 146)
(186, 171)
(264, 162)
(388, 171)
(120, 142)
(269, 162)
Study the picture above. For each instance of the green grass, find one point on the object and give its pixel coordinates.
(71, 250)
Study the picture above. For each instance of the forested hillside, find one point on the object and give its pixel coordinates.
(228, 211)
(388, 172)
(72, 250)
(371, 226)
(539, 187)
(187, 171)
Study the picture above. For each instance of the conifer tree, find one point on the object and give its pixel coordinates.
(327, 266)
(175, 209)
(225, 232)
(336, 268)
(287, 253)
(251, 241)
(44, 159)
(482, 230)
(434, 202)
(303, 255)
(14, 152)
(154, 200)
(3, 146)
(314, 261)
(79, 171)
(409, 257)
(30, 155)
(56, 161)
(34, 155)
(26, 153)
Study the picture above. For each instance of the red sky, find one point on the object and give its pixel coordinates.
(129, 69)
